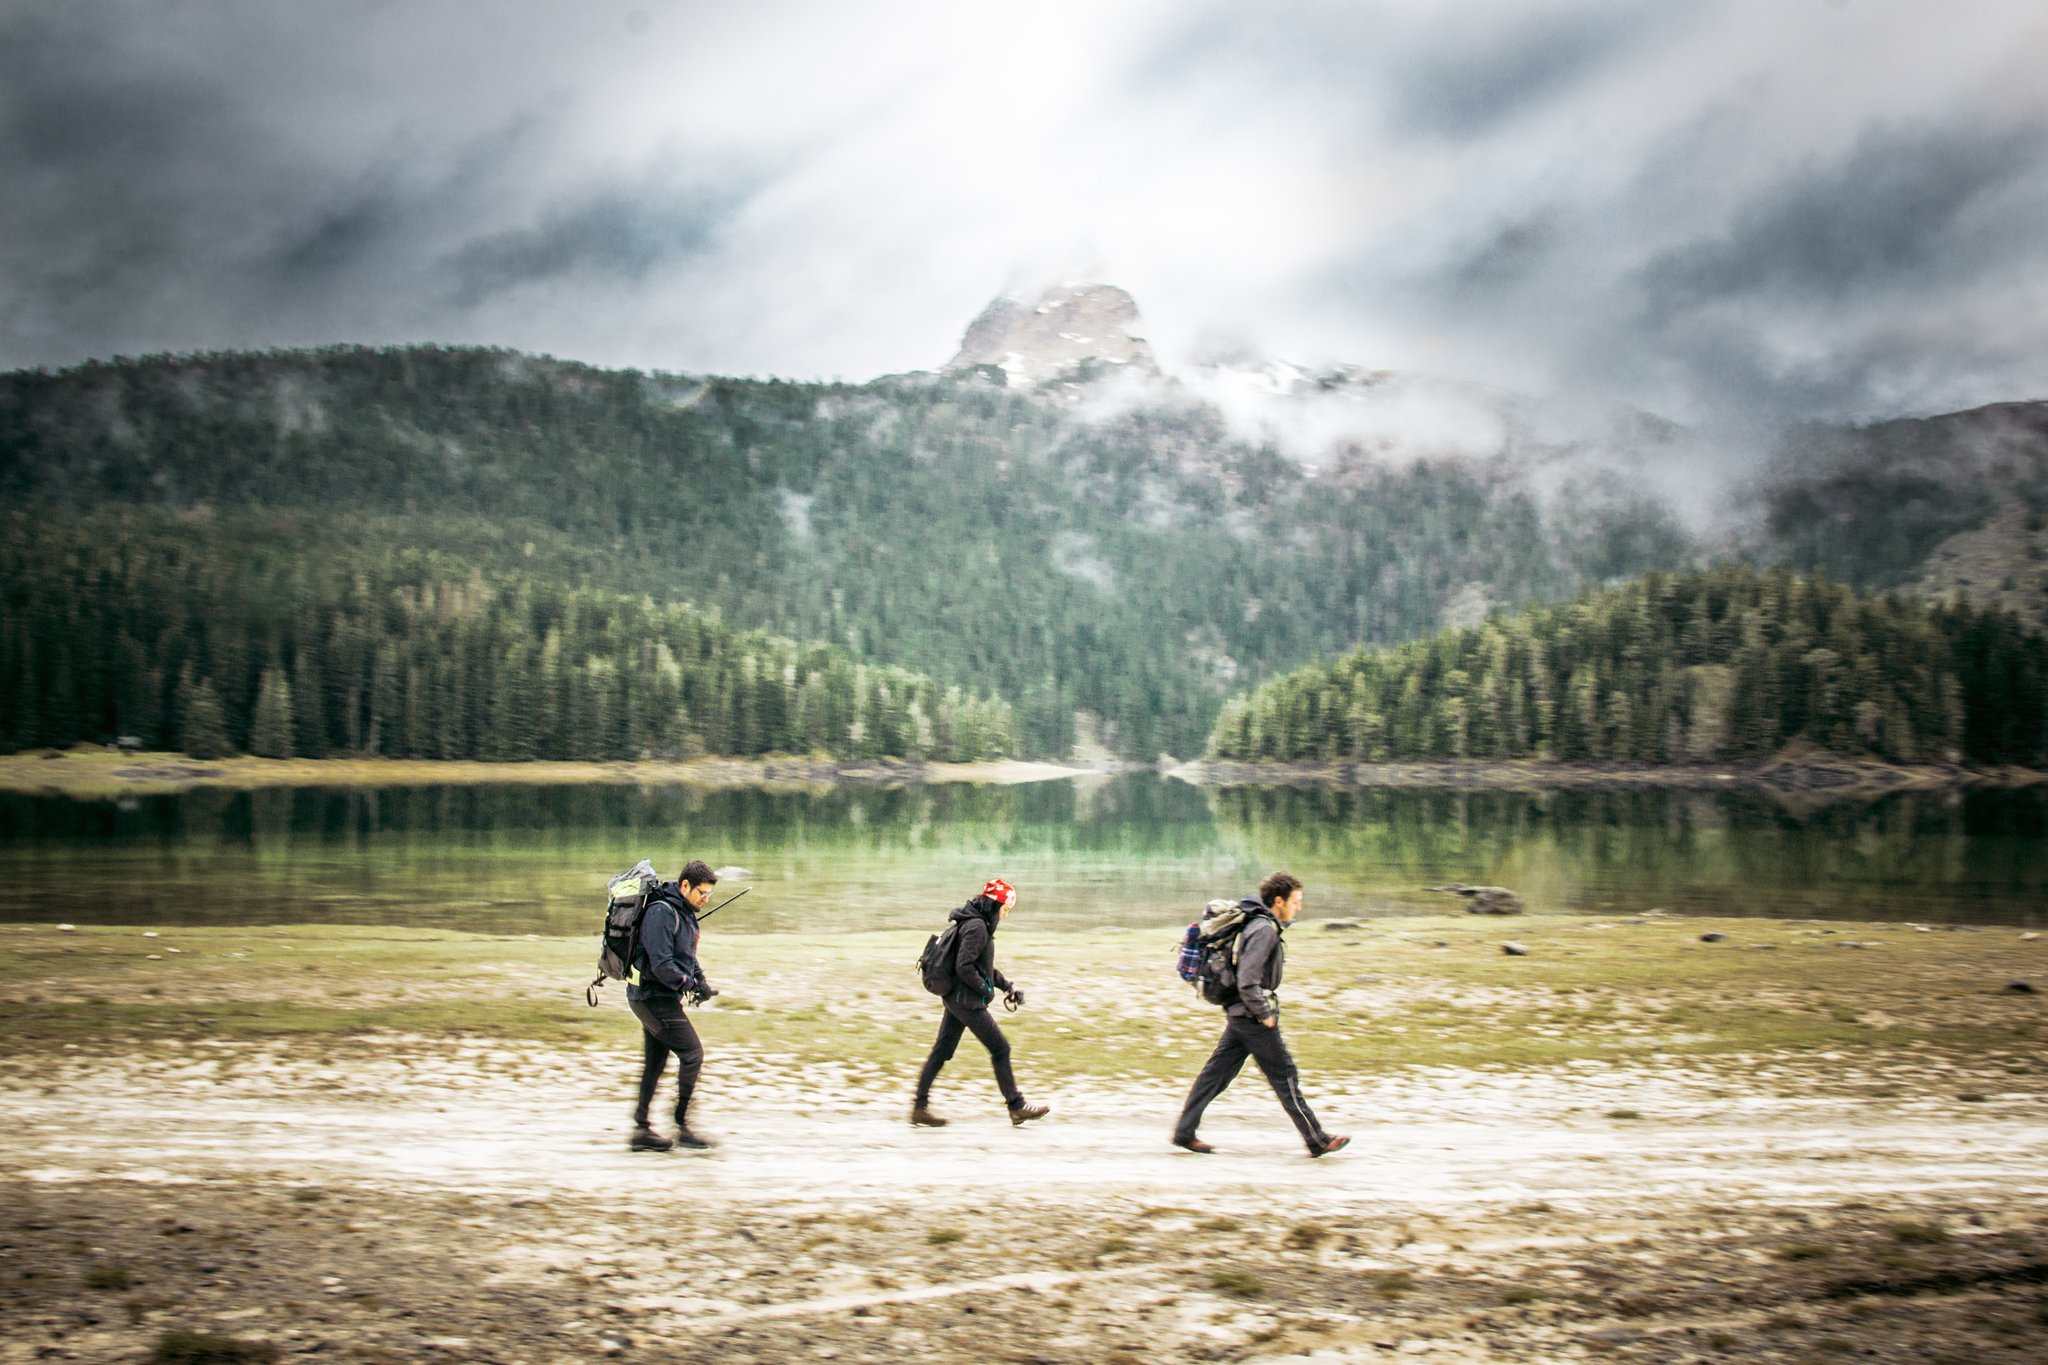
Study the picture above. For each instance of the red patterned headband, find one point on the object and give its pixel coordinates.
(1000, 891)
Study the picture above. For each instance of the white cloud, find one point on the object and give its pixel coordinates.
(1505, 191)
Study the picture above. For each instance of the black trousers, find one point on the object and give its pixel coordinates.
(667, 1029)
(959, 1019)
(1249, 1038)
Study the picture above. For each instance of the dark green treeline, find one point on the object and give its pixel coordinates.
(235, 637)
(1114, 575)
(1724, 664)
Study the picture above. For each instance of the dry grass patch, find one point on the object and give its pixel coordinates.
(1601, 996)
(204, 1348)
(1231, 1280)
(1918, 1234)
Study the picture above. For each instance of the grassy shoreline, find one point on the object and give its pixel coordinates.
(1418, 991)
(1813, 772)
(93, 772)
(97, 772)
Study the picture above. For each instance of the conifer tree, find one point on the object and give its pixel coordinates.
(1725, 664)
(202, 726)
(270, 731)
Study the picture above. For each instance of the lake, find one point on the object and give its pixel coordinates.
(1136, 850)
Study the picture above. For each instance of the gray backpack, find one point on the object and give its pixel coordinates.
(1212, 942)
(625, 902)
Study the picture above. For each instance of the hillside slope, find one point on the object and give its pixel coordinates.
(1130, 566)
(1872, 505)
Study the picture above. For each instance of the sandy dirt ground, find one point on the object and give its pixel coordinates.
(422, 1201)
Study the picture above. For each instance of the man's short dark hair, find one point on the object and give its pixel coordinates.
(697, 872)
(1278, 887)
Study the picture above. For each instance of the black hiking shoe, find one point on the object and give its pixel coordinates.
(1336, 1143)
(686, 1138)
(1193, 1144)
(1021, 1114)
(921, 1117)
(645, 1139)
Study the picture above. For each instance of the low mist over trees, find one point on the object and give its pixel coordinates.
(1721, 665)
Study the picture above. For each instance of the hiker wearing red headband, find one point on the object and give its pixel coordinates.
(962, 970)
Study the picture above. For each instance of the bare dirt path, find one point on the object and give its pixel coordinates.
(466, 1202)
(1424, 1141)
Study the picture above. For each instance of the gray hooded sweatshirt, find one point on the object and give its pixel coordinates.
(1261, 957)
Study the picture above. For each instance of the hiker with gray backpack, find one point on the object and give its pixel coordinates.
(650, 942)
(1235, 955)
(959, 966)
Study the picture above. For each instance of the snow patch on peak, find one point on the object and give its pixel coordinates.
(1063, 333)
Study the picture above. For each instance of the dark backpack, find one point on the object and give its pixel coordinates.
(625, 903)
(1208, 951)
(935, 963)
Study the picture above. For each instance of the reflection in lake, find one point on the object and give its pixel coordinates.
(1135, 850)
(1976, 855)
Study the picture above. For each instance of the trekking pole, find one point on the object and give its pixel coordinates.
(722, 904)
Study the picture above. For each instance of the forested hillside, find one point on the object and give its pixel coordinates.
(1726, 664)
(1867, 505)
(1133, 568)
(282, 637)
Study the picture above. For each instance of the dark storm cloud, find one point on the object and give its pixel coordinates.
(1900, 251)
(97, 201)
(131, 181)
(343, 238)
(396, 215)
(1786, 207)
(231, 175)
(1438, 72)
(1891, 216)
(1727, 246)
(621, 234)
(1472, 77)
(66, 95)
(1505, 257)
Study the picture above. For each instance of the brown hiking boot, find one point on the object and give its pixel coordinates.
(1193, 1144)
(921, 1117)
(645, 1139)
(1337, 1142)
(1024, 1113)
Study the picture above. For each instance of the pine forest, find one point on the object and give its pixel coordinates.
(1726, 664)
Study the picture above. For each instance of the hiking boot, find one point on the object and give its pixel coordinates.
(1335, 1143)
(686, 1138)
(645, 1139)
(1193, 1144)
(921, 1117)
(1023, 1113)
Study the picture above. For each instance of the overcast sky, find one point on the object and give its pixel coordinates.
(1786, 207)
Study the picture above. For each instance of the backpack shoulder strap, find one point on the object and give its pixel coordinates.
(1244, 925)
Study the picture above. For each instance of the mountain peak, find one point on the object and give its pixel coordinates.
(1050, 337)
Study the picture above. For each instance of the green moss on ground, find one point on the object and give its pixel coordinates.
(1102, 1003)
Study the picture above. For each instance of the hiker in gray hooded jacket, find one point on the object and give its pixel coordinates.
(1251, 1022)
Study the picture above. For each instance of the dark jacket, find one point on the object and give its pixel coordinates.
(1261, 957)
(974, 953)
(665, 958)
